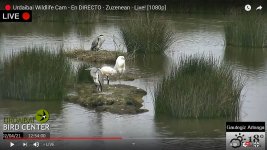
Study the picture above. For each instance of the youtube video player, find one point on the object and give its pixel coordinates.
(133, 75)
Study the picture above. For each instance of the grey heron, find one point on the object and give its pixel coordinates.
(97, 43)
(108, 71)
(97, 76)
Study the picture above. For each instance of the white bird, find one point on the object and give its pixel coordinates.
(120, 65)
(97, 76)
(108, 71)
(97, 43)
(118, 68)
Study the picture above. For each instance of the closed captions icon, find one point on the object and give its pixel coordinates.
(248, 7)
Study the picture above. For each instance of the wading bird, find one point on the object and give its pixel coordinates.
(97, 43)
(108, 71)
(97, 76)
(120, 65)
(118, 68)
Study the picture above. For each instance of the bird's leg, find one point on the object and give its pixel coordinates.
(96, 87)
(120, 78)
(100, 87)
(108, 80)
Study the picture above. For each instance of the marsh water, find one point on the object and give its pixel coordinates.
(193, 35)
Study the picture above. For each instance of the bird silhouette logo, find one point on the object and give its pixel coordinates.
(42, 116)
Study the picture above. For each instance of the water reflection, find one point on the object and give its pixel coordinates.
(156, 64)
(248, 58)
(44, 29)
(191, 128)
(14, 37)
(89, 121)
(20, 108)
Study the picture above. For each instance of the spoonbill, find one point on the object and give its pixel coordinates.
(108, 71)
(120, 65)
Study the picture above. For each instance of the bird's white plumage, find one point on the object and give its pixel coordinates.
(120, 65)
(108, 71)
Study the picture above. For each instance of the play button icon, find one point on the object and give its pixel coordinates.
(11, 144)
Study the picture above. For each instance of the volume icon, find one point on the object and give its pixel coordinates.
(36, 144)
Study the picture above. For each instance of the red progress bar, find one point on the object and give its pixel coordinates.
(71, 138)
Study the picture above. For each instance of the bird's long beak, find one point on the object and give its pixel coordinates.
(88, 69)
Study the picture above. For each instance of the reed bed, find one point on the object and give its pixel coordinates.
(146, 35)
(34, 74)
(199, 88)
(245, 30)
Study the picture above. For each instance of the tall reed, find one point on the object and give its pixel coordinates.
(146, 34)
(34, 74)
(199, 88)
(245, 30)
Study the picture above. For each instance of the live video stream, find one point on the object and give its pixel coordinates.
(133, 75)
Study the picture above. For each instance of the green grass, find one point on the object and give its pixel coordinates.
(199, 88)
(83, 75)
(34, 74)
(245, 30)
(146, 35)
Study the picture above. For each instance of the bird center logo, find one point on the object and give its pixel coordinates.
(42, 116)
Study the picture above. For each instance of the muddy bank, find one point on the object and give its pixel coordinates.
(95, 56)
(119, 99)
